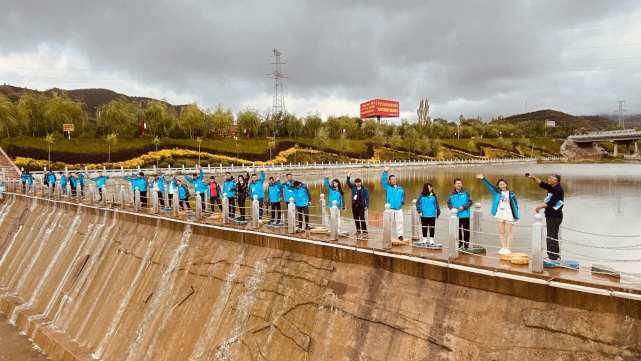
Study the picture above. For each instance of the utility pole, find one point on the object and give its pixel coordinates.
(621, 110)
(278, 104)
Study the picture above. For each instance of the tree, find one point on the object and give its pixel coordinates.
(159, 118)
(156, 142)
(313, 124)
(8, 118)
(49, 139)
(111, 140)
(249, 122)
(221, 119)
(411, 138)
(293, 126)
(192, 120)
(59, 110)
(119, 116)
(31, 111)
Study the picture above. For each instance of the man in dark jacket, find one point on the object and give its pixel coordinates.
(553, 205)
(360, 203)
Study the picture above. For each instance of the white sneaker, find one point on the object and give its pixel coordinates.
(422, 240)
(503, 251)
(507, 251)
(432, 241)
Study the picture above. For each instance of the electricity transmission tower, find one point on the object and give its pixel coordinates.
(621, 115)
(278, 104)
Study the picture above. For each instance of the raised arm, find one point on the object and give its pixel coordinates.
(326, 183)
(349, 181)
(385, 178)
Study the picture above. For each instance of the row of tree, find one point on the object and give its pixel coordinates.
(38, 114)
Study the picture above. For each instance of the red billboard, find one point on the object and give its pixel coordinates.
(380, 108)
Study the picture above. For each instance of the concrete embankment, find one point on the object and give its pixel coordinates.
(86, 283)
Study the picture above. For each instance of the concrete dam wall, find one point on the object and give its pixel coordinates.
(86, 283)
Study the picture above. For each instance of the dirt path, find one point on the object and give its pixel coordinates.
(14, 346)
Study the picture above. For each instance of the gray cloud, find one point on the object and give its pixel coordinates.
(477, 57)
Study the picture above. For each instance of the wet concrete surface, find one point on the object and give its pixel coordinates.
(15, 347)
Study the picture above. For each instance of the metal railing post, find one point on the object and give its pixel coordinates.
(136, 199)
(255, 212)
(387, 227)
(176, 203)
(199, 209)
(165, 197)
(323, 205)
(333, 222)
(154, 201)
(536, 261)
(452, 245)
(122, 197)
(225, 204)
(291, 216)
(477, 213)
(416, 223)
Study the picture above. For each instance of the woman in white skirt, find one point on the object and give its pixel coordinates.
(505, 209)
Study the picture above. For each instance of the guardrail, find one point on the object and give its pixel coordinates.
(221, 169)
(328, 224)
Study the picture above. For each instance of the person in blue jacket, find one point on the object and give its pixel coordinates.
(27, 180)
(505, 209)
(288, 187)
(395, 197)
(229, 189)
(302, 202)
(81, 181)
(63, 183)
(257, 189)
(73, 183)
(200, 187)
(335, 193)
(360, 203)
(139, 182)
(275, 193)
(50, 181)
(460, 200)
(428, 209)
(101, 182)
(160, 186)
(183, 195)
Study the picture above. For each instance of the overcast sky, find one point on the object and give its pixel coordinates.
(474, 57)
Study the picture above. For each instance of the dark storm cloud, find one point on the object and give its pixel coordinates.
(471, 57)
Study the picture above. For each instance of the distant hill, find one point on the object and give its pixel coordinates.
(564, 120)
(92, 98)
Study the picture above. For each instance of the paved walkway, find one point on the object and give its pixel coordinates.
(15, 347)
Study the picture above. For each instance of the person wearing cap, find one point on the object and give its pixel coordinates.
(553, 206)
(360, 203)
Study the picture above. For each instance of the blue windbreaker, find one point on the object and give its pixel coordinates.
(275, 191)
(81, 178)
(183, 192)
(334, 195)
(26, 178)
(137, 182)
(496, 199)
(301, 196)
(229, 187)
(73, 182)
(51, 178)
(288, 190)
(63, 181)
(458, 200)
(199, 185)
(427, 206)
(256, 188)
(394, 195)
(160, 182)
(101, 181)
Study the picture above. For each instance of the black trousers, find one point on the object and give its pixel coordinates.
(552, 224)
(358, 212)
(232, 207)
(161, 199)
(241, 206)
(303, 213)
(143, 199)
(100, 193)
(464, 232)
(428, 224)
(215, 201)
(203, 201)
(170, 198)
(276, 215)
